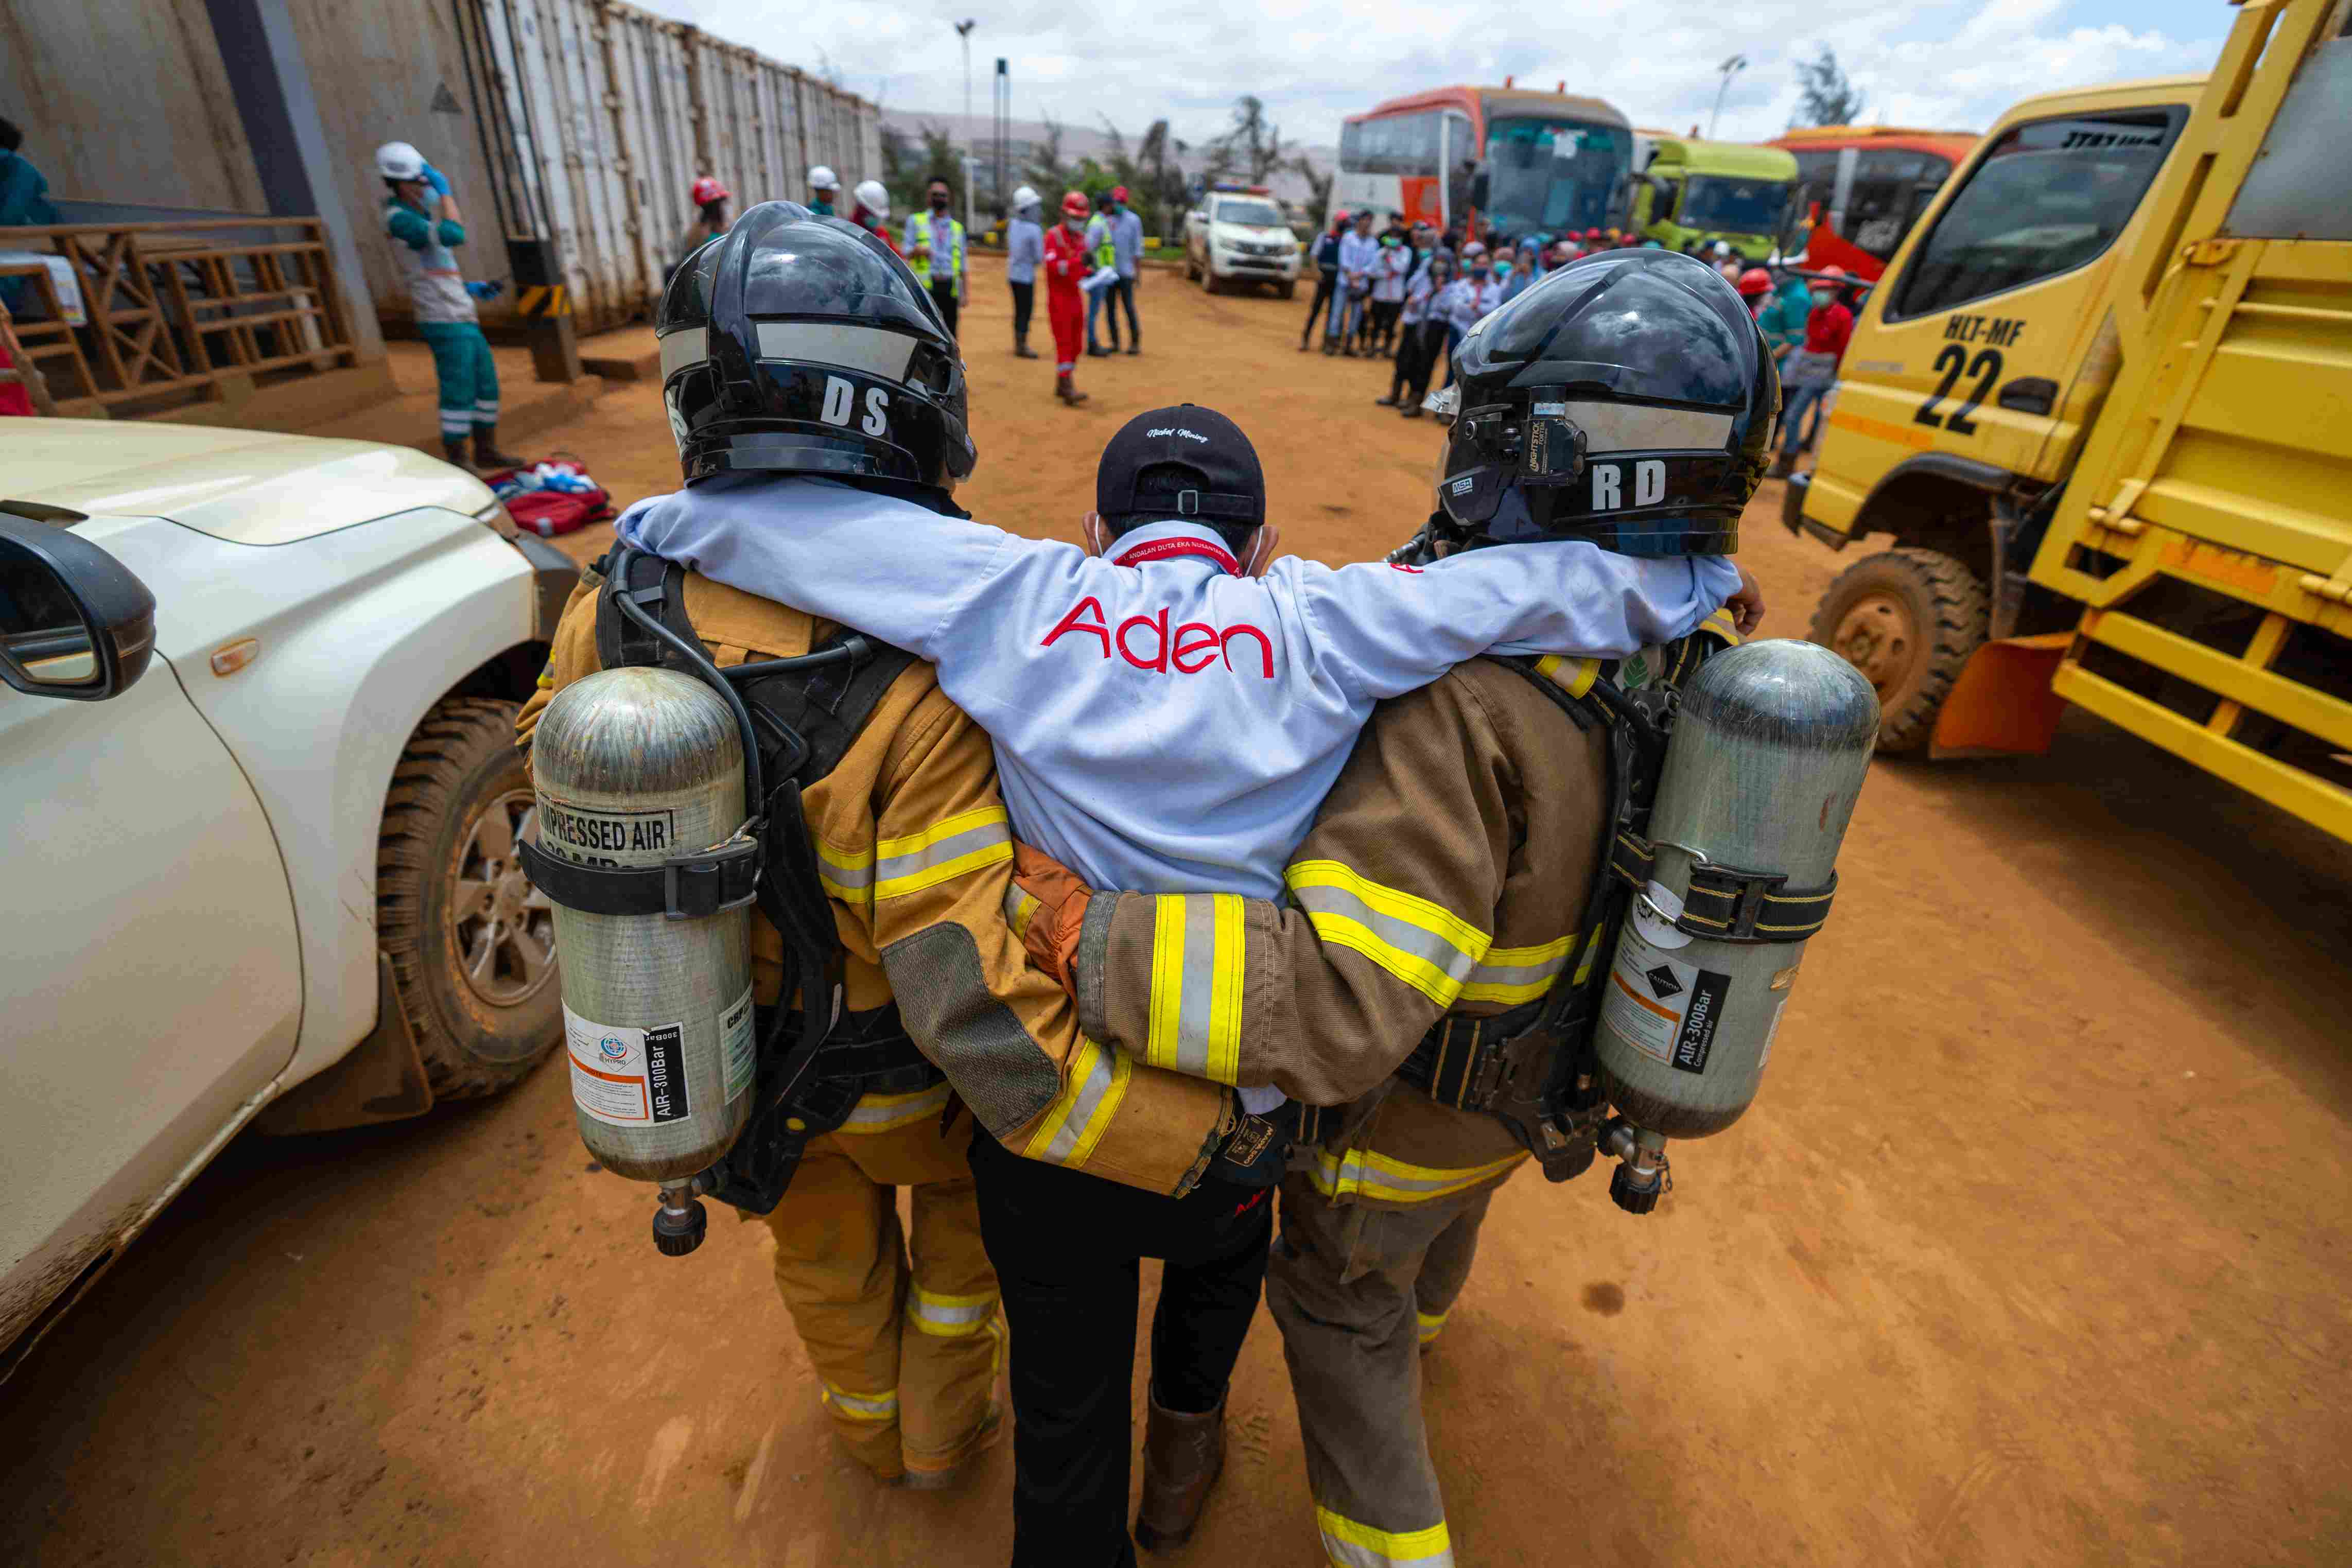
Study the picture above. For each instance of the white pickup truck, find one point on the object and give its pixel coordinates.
(258, 794)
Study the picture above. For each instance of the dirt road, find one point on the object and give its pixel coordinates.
(2036, 1250)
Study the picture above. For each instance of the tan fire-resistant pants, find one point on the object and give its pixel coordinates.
(904, 1332)
(1357, 1292)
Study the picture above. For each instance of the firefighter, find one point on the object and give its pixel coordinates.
(911, 847)
(1436, 903)
(1067, 265)
(422, 218)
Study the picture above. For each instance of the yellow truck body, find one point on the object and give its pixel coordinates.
(2103, 400)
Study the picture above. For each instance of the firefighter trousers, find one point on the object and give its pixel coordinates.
(903, 1329)
(1357, 1292)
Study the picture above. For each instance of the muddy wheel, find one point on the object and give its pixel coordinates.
(1908, 619)
(472, 942)
(1191, 269)
(1287, 290)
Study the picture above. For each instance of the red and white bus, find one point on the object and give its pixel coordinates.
(1861, 187)
(1502, 158)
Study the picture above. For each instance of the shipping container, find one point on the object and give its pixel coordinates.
(580, 123)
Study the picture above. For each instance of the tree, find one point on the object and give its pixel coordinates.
(1045, 169)
(1253, 143)
(1824, 96)
(1318, 189)
(1155, 186)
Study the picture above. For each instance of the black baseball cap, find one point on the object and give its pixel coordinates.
(1220, 481)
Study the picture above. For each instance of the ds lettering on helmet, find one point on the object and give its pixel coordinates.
(1626, 399)
(797, 344)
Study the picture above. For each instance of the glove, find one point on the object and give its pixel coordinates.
(437, 179)
(1255, 1154)
(1051, 937)
(489, 289)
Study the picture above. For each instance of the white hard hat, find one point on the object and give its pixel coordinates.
(1723, 247)
(822, 178)
(399, 160)
(873, 197)
(1025, 198)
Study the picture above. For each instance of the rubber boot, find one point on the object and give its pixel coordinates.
(453, 448)
(1068, 392)
(1182, 1456)
(1021, 349)
(487, 456)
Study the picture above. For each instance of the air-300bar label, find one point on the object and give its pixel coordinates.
(629, 1078)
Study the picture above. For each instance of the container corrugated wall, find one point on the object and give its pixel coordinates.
(612, 113)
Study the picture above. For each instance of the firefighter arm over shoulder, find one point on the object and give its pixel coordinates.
(1387, 925)
(937, 892)
(1392, 628)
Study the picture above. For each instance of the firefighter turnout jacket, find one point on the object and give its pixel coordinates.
(1162, 723)
(913, 851)
(1445, 874)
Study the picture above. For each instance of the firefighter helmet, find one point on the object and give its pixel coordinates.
(796, 343)
(1625, 399)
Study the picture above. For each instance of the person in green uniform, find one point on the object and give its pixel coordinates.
(422, 219)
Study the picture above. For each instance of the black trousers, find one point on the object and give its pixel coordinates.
(1324, 285)
(1024, 296)
(1067, 1249)
(943, 295)
(1416, 358)
(1113, 295)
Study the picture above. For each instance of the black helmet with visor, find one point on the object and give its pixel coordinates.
(1626, 399)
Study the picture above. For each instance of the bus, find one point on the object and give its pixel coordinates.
(1861, 187)
(1481, 158)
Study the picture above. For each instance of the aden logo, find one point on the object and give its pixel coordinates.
(1189, 648)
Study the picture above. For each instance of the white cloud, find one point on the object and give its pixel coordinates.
(1943, 62)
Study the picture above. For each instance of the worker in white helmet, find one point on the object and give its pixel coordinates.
(1024, 249)
(421, 217)
(872, 212)
(824, 185)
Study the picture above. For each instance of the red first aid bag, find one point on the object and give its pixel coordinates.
(550, 512)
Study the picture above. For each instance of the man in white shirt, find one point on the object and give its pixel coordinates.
(1025, 248)
(1359, 254)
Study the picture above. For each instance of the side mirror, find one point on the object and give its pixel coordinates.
(74, 622)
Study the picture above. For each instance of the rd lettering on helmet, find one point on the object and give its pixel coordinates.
(1609, 484)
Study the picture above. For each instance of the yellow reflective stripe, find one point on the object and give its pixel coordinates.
(1512, 975)
(888, 1113)
(941, 852)
(1363, 1173)
(1421, 943)
(950, 1317)
(1591, 952)
(1723, 625)
(1429, 1324)
(1074, 1124)
(844, 874)
(1574, 675)
(1350, 1544)
(1194, 1022)
(1019, 909)
(883, 1407)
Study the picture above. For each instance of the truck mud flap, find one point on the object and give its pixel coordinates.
(2002, 705)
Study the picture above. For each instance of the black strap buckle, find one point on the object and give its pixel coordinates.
(724, 877)
(685, 887)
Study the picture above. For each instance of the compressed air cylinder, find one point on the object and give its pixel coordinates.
(1766, 757)
(635, 766)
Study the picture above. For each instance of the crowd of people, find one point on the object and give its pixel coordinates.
(1410, 292)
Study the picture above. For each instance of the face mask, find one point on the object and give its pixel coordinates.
(1479, 271)
(1823, 296)
(939, 204)
(1502, 269)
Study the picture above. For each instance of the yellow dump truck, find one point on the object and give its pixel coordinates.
(2103, 401)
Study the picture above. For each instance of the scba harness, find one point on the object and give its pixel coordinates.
(798, 718)
(1533, 1068)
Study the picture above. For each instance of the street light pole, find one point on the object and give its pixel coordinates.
(963, 30)
(1729, 68)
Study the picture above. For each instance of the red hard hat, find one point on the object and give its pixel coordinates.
(1342, 216)
(1119, 193)
(707, 190)
(1755, 280)
(1832, 272)
(1075, 204)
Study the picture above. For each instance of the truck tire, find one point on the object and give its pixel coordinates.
(1288, 289)
(472, 943)
(1909, 620)
(1191, 269)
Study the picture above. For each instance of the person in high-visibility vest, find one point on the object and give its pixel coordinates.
(935, 251)
(1102, 253)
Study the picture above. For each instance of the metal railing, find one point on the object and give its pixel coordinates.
(176, 308)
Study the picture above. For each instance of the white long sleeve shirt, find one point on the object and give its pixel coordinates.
(1025, 248)
(1358, 254)
(1162, 722)
(1389, 273)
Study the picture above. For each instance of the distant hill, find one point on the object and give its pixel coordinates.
(975, 135)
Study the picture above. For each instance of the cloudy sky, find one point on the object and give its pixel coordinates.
(1929, 62)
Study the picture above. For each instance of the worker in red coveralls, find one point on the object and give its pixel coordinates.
(1067, 265)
